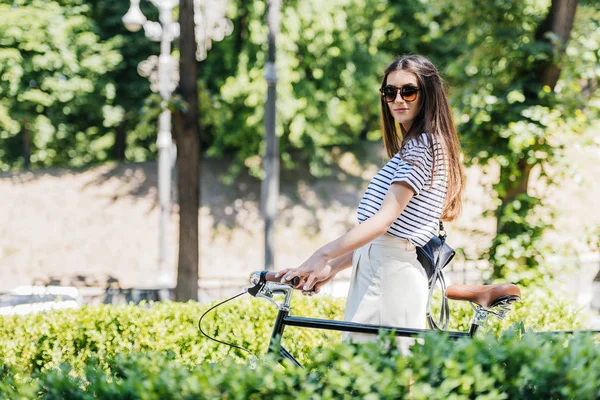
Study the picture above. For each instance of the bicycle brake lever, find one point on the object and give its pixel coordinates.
(254, 290)
(259, 281)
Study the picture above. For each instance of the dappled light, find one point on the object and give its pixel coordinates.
(153, 154)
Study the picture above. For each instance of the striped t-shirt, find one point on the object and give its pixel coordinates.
(419, 220)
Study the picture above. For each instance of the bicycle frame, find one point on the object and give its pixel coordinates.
(267, 291)
(263, 289)
(284, 319)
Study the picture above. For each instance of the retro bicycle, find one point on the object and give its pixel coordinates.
(485, 300)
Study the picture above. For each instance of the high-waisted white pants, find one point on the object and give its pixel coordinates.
(388, 287)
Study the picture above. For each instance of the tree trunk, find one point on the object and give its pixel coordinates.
(559, 22)
(520, 185)
(188, 159)
(242, 30)
(26, 146)
(120, 142)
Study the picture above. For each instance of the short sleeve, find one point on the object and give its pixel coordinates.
(415, 165)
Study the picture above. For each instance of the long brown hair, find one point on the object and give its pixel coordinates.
(435, 119)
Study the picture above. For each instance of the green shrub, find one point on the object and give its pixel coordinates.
(515, 366)
(44, 341)
(512, 366)
(41, 341)
(539, 309)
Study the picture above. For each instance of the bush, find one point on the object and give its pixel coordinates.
(512, 366)
(45, 341)
(42, 341)
(540, 309)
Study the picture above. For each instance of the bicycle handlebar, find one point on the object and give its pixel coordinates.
(269, 276)
(265, 285)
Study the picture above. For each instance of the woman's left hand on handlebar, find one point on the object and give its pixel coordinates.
(313, 270)
(317, 288)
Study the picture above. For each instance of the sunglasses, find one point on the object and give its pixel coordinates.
(407, 92)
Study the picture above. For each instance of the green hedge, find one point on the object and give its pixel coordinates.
(41, 341)
(540, 309)
(510, 367)
(44, 341)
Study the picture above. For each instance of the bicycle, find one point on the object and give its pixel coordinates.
(486, 300)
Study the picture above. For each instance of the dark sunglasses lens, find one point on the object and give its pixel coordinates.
(409, 93)
(389, 94)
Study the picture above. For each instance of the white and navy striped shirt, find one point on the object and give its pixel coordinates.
(419, 220)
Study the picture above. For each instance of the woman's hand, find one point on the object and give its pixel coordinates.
(322, 278)
(317, 288)
(314, 269)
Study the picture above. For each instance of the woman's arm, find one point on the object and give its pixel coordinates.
(393, 204)
(326, 274)
(341, 263)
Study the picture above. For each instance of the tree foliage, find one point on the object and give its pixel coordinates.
(510, 117)
(328, 70)
(69, 87)
(69, 82)
(55, 74)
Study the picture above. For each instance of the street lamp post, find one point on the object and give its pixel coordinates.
(163, 76)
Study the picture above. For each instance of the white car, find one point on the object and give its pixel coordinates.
(33, 299)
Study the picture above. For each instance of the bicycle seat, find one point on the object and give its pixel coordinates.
(485, 295)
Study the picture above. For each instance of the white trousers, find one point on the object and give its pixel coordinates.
(388, 287)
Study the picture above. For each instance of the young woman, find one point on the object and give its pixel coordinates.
(401, 208)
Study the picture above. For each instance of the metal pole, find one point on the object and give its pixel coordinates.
(270, 184)
(164, 140)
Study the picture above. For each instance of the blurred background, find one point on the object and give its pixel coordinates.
(88, 113)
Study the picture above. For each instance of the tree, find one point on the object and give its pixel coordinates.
(187, 138)
(327, 82)
(514, 112)
(85, 39)
(57, 97)
(131, 89)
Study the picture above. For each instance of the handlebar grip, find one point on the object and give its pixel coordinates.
(270, 277)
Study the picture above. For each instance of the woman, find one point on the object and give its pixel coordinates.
(401, 208)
